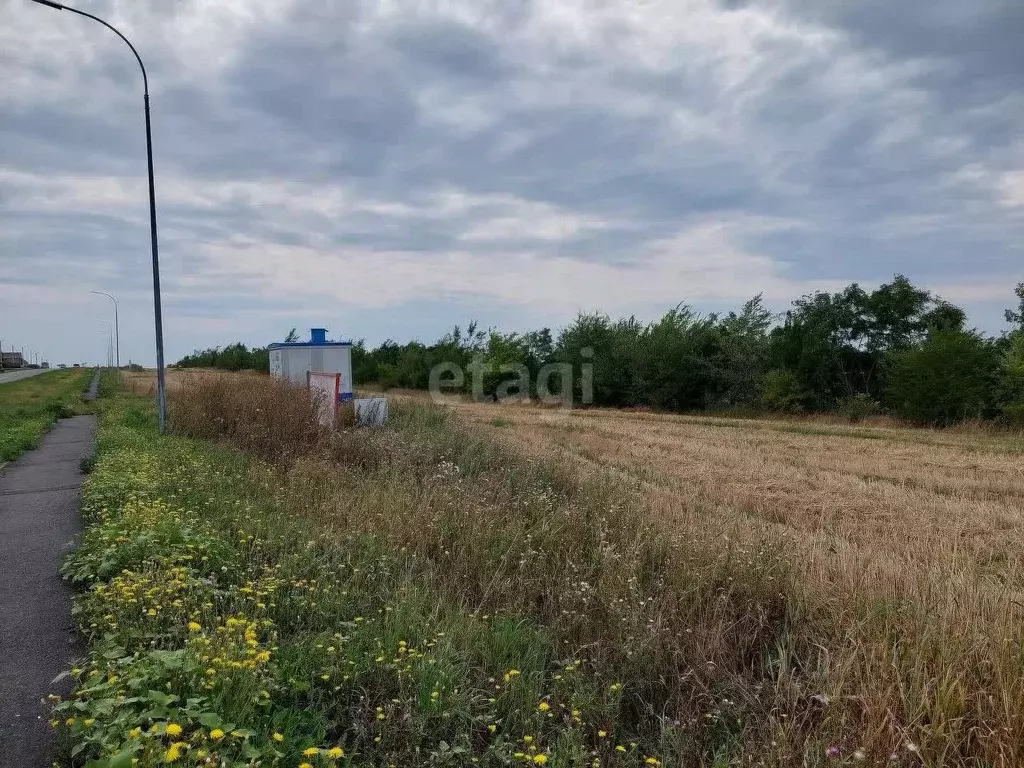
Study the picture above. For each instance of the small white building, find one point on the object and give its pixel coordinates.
(294, 361)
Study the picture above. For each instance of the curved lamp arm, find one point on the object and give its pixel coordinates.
(59, 7)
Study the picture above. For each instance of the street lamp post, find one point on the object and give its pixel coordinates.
(158, 315)
(117, 330)
(110, 344)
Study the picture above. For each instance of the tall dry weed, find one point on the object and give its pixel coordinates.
(727, 651)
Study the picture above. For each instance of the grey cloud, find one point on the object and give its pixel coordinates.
(981, 41)
(394, 111)
(44, 139)
(450, 50)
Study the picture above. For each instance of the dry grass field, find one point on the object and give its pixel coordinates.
(857, 506)
(907, 544)
(876, 569)
(885, 497)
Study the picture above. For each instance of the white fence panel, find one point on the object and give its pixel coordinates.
(324, 389)
(371, 411)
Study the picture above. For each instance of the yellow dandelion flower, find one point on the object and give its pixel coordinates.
(310, 752)
(174, 751)
(543, 706)
(602, 734)
(305, 765)
(173, 729)
(277, 737)
(652, 761)
(335, 752)
(216, 734)
(540, 759)
(195, 626)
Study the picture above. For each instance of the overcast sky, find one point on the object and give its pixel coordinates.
(388, 168)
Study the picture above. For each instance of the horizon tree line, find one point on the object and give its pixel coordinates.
(897, 349)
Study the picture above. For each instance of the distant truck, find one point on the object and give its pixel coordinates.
(45, 364)
(11, 360)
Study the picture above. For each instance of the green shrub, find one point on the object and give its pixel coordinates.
(60, 409)
(781, 391)
(87, 464)
(946, 378)
(856, 408)
(1011, 372)
(387, 376)
(1014, 414)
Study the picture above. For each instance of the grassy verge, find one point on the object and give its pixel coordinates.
(30, 407)
(417, 596)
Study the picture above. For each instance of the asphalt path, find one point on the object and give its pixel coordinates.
(21, 373)
(39, 522)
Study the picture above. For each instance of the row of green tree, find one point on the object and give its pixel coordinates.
(233, 357)
(897, 349)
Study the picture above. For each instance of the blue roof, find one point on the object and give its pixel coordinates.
(281, 344)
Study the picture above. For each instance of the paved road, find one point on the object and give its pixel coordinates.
(39, 520)
(16, 375)
(94, 388)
